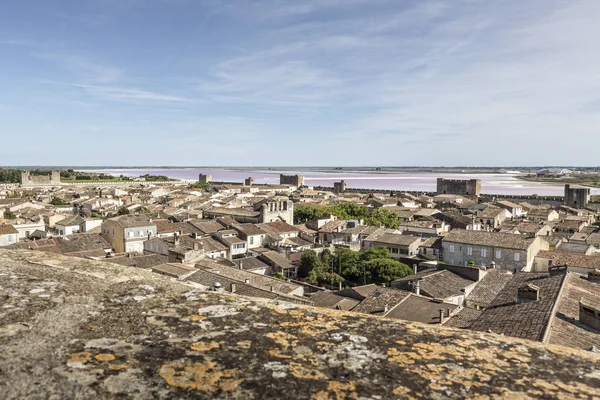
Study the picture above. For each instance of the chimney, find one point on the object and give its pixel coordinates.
(493, 264)
(528, 292)
(415, 269)
(417, 288)
(176, 236)
(217, 287)
(241, 265)
(385, 308)
(195, 235)
(441, 316)
(594, 275)
(196, 246)
(149, 235)
(232, 288)
(589, 314)
(340, 286)
(246, 281)
(272, 289)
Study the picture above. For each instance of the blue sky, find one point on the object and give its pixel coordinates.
(313, 82)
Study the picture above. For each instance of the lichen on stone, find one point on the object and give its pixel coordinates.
(204, 376)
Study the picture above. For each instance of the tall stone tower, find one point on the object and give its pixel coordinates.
(577, 196)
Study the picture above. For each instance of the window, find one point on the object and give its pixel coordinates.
(517, 257)
(394, 250)
(251, 240)
(451, 248)
(469, 251)
(129, 234)
(498, 254)
(150, 233)
(484, 252)
(141, 233)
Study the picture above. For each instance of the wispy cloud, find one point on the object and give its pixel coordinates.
(85, 68)
(121, 93)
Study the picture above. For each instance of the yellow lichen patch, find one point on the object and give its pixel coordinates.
(301, 372)
(296, 314)
(81, 357)
(244, 344)
(401, 357)
(204, 346)
(337, 391)
(283, 339)
(313, 327)
(203, 376)
(277, 309)
(117, 367)
(559, 388)
(307, 359)
(325, 346)
(196, 318)
(105, 357)
(513, 355)
(277, 353)
(401, 342)
(511, 395)
(401, 391)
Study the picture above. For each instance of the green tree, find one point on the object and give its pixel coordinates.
(278, 275)
(383, 217)
(123, 211)
(143, 210)
(320, 277)
(9, 214)
(326, 258)
(350, 211)
(386, 270)
(57, 201)
(10, 176)
(375, 252)
(304, 212)
(308, 263)
(348, 263)
(199, 185)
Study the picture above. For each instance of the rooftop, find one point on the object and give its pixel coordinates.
(437, 284)
(566, 330)
(572, 260)
(491, 239)
(527, 320)
(133, 221)
(420, 309)
(488, 287)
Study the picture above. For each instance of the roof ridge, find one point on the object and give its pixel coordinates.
(548, 329)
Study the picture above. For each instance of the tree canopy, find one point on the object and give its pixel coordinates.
(379, 217)
(374, 265)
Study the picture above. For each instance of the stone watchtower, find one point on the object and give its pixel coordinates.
(461, 187)
(294, 180)
(340, 187)
(40, 180)
(202, 178)
(577, 196)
